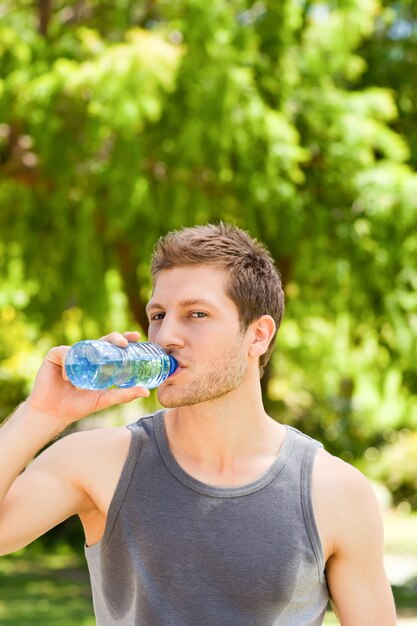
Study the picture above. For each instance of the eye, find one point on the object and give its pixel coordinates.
(156, 317)
(198, 314)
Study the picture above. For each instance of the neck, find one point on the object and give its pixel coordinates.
(216, 438)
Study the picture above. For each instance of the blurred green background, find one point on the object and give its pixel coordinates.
(295, 120)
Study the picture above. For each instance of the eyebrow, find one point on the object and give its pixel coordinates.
(182, 303)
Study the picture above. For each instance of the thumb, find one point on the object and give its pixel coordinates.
(56, 356)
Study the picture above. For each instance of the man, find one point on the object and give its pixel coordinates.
(209, 512)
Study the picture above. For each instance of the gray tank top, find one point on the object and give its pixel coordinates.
(178, 552)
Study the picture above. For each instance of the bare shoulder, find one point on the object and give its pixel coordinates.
(91, 460)
(340, 478)
(96, 441)
(76, 449)
(344, 503)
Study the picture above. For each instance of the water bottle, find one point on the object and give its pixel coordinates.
(99, 365)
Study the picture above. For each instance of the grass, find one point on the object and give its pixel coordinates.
(38, 589)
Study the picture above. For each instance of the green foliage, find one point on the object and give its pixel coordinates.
(396, 466)
(15, 348)
(75, 156)
(120, 121)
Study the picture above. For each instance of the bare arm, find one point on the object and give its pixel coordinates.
(350, 519)
(48, 491)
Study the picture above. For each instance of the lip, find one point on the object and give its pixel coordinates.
(179, 369)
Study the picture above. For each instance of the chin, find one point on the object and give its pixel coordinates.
(168, 398)
(172, 398)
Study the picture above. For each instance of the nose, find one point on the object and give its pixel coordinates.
(167, 334)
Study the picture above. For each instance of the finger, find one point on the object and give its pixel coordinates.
(57, 355)
(115, 338)
(132, 336)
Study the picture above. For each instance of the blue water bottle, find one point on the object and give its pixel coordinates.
(99, 365)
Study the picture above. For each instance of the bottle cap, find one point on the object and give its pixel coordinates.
(172, 364)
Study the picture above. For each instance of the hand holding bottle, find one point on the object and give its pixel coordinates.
(54, 395)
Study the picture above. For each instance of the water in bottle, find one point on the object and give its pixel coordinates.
(99, 365)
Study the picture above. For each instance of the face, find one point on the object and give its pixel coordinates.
(193, 319)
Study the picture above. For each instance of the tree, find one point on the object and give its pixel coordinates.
(121, 122)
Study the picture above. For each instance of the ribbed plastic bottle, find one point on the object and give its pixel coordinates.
(94, 364)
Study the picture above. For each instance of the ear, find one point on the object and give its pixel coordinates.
(262, 331)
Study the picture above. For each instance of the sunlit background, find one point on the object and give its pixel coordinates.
(296, 120)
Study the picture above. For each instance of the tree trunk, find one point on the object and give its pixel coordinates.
(44, 8)
(128, 271)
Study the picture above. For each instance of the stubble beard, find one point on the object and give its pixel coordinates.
(224, 376)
